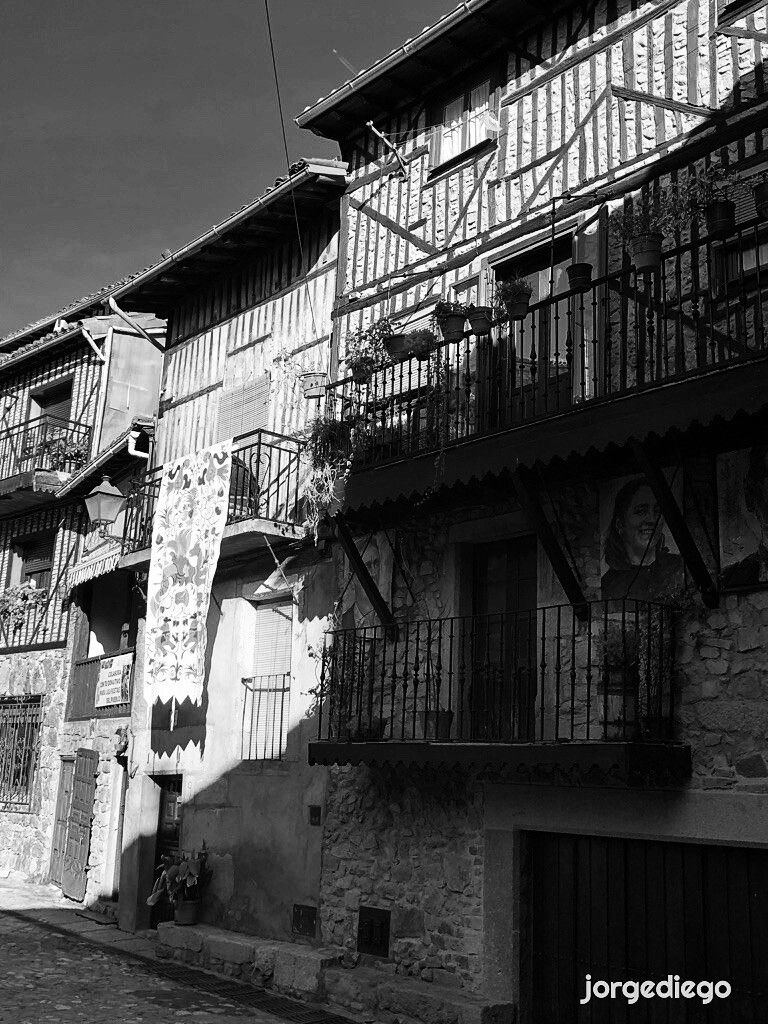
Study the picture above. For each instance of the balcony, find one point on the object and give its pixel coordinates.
(85, 699)
(263, 497)
(35, 454)
(38, 626)
(543, 694)
(583, 369)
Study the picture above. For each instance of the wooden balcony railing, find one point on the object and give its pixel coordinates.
(544, 676)
(706, 308)
(264, 484)
(44, 443)
(81, 693)
(43, 625)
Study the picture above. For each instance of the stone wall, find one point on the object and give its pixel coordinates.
(410, 842)
(25, 836)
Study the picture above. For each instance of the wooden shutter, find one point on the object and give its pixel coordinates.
(63, 802)
(273, 639)
(244, 408)
(37, 559)
(74, 875)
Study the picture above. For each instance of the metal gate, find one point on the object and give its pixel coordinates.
(623, 909)
(75, 869)
(63, 802)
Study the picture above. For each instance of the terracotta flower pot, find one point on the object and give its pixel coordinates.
(186, 912)
(480, 319)
(397, 347)
(721, 218)
(580, 276)
(761, 199)
(518, 310)
(646, 251)
(452, 326)
(313, 384)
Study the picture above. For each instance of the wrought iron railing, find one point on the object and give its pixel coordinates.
(20, 722)
(83, 683)
(39, 625)
(706, 308)
(543, 676)
(265, 717)
(264, 484)
(44, 443)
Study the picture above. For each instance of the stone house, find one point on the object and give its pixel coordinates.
(543, 699)
(77, 388)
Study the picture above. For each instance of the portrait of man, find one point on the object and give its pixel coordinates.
(637, 560)
(744, 518)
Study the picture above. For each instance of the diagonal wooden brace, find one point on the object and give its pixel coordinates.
(372, 592)
(676, 524)
(528, 496)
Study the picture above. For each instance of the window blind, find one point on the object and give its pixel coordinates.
(244, 408)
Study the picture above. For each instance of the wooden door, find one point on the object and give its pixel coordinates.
(625, 909)
(78, 844)
(168, 844)
(503, 690)
(63, 802)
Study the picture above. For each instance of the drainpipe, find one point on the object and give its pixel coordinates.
(134, 326)
(132, 450)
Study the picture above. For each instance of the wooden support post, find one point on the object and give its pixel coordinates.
(528, 496)
(372, 592)
(677, 525)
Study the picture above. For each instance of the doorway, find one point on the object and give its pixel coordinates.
(168, 841)
(63, 803)
(502, 696)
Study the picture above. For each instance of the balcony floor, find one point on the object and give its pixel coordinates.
(573, 762)
(593, 426)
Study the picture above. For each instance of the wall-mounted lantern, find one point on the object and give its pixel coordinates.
(104, 504)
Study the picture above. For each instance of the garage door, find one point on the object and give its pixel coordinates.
(632, 910)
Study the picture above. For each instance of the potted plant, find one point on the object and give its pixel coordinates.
(365, 351)
(422, 343)
(313, 383)
(16, 602)
(480, 318)
(616, 651)
(579, 276)
(513, 297)
(643, 225)
(450, 317)
(328, 447)
(708, 197)
(182, 884)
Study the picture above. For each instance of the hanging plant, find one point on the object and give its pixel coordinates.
(422, 343)
(328, 447)
(480, 318)
(644, 225)
(450, 317)
(18, 601)
(709, 196)
(366, 351)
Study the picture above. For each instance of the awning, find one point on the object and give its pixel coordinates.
(90, 568)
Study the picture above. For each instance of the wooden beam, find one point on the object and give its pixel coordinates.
(527, 492)
(676, 523)
(394, 227)
(372, 592)
(634, 96)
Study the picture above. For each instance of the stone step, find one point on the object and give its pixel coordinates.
(378, 994)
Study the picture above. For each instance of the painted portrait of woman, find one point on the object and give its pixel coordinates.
(638, 561)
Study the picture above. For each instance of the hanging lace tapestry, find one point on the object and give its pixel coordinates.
(189, 520)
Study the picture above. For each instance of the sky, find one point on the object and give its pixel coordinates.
(129, 126)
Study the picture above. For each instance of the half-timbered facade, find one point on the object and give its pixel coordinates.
(73, 393)
(249, 309)
(544, 694)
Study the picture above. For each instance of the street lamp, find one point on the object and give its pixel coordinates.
(104, 504)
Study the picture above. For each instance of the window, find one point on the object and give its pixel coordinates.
(20, 719)
(33, 560)
(55, 401)
(267, 692)
(244, 408)
(462, 124)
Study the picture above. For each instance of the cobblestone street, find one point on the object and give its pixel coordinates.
(49, 978)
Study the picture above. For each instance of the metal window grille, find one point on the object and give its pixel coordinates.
(265, 717)
(20, 720)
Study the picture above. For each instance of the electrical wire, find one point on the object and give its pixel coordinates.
(288, 162)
